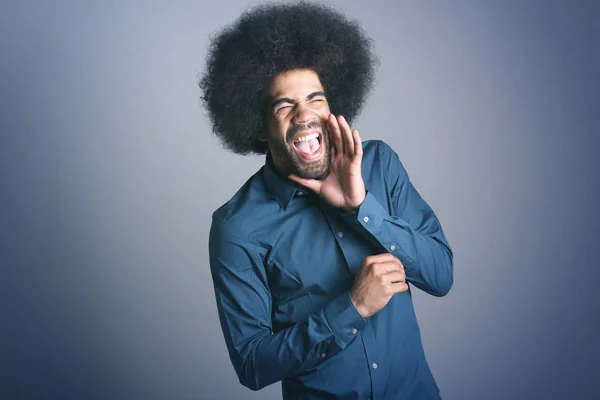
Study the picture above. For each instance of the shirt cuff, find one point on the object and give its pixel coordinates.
(370, 216)
(343, 319)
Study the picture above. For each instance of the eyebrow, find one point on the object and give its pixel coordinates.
(288, 100)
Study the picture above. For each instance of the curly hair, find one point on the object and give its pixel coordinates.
(273, 38)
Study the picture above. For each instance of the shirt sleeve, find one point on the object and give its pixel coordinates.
(260, 356)
(410, 231)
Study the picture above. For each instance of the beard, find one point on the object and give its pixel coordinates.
(288, 159)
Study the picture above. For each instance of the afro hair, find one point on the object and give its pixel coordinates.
(272, 38)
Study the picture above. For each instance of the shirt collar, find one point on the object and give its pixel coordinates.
(283, 190)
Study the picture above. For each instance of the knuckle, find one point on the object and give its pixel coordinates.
(391, 266)
(399, 265)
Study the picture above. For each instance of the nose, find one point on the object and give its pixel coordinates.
(303, 114)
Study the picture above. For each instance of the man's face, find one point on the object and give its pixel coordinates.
(295, 119)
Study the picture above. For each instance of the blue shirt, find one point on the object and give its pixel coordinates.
(283, 262)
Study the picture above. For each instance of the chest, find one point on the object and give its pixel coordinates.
(313, 256)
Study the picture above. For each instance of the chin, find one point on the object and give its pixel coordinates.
(322, 176)
(316, 169)
(288, 161)
(318, 175)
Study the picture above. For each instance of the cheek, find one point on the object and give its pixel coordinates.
(278, 130)
(324, 111)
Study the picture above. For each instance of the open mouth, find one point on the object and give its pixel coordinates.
(308, 145)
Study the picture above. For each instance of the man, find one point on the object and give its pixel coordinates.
(313, 259)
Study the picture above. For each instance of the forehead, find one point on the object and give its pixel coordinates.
(295, 84)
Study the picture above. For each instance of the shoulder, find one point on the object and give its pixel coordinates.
(377, 149)
(244, 211)
(378, 154)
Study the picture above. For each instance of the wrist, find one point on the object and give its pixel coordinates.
(357, 305)
(355, 205)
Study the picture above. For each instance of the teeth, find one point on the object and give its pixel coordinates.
(307, 137)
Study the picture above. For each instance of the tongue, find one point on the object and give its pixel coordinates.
(309, 146)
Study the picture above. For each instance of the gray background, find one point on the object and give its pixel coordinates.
(109, 174)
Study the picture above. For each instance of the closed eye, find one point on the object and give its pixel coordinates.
(283, 108)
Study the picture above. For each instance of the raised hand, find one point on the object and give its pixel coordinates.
(344, 186)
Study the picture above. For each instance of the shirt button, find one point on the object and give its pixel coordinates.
(392, 247)
(354, 331)
(374, 365)
(341, 234)
(323, 355)
(366, 219)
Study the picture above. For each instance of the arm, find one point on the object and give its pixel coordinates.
(411, 228)
(260, 356)
(410, 232)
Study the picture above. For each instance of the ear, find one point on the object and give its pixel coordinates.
(261, 137)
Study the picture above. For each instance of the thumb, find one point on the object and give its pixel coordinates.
(312, 184)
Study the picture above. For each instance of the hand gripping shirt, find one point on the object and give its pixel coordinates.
(283, 262)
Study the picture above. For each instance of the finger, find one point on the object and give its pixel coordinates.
(393, 265)
(334, 130)
(358, 150)
(372, 262)
(382, 268)
(346, 133)
(394, 277)
(312, 184)
(332, 148)
(381, 258)
(399, 287)
(396, 261)
(328, 136)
